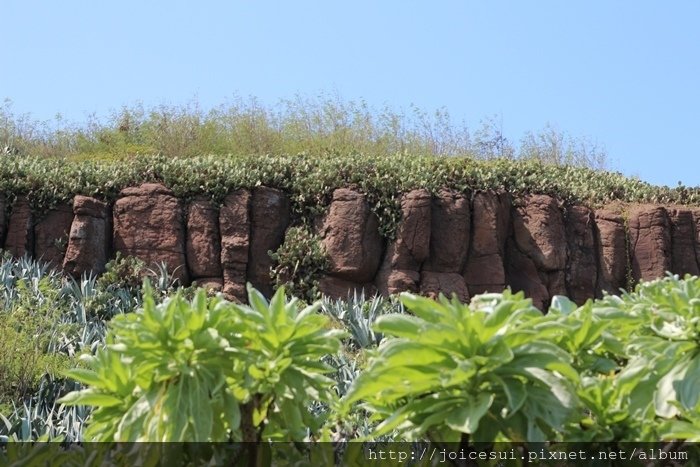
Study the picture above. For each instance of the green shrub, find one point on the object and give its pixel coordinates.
(208, 370)
(452, 371)
(298, 263)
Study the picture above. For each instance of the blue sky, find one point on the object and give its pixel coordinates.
(624, 74)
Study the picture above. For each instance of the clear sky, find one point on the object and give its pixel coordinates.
(624, 73)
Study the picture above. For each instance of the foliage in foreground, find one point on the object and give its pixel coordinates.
(618, 369)
(209, 370)
(46, 321)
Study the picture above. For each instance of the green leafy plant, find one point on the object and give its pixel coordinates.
(298, 262)
(208, 370)
(454, 372)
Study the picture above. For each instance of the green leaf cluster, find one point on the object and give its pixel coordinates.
(208, 370)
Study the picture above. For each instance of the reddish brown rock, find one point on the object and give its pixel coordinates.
(20, 232)
(683, 231)
(612, 251)
(203, 239)
(522, 275)
(351, 237)
(89, 237)
(400, 270)
(149, 225)
(432, 284)
(484, 271)
(51, 235)
(340, 289)
(650, 242)
(538, 227)
(234, 224)
(449, 232)
(3, 208)
(215, 284)
(582, 267)
(269, 219)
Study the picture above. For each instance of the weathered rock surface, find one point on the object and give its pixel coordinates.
(234, 224)
(203, 239)
(269, 219)
(582, 265)
(449, 232)
(20, 232)
(215, 284)
(149, 224)
(522, 275)
(683, 231)
(650, 242)
(89, 237)
(400, 270)
(351, 237)
(485, 271)
(51, 235)
(612, 251)
(432, 284)
(538, 227)
(340, 289)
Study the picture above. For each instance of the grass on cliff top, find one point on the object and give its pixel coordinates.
(310, 180)
(318, 144)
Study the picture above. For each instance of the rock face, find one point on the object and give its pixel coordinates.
(51, 235)
(400, 270)
(20, 233)
(203, 240)
(450, 284)
(522, 275)
(582, 267)
(650, 242)
(149, 224)
(351, 237)
(446, 243)
(89, 237)
(539, 234)
(485, 271)
(269, 220)
(449, 232)
(612, 251)
(539, 231)
(234, 224)
(340, 289)
(683, 247)
(450, 226)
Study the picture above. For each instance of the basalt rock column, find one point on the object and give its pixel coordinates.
(89, 237)
(51, 235)
(350, 236)
(539, 237)
(269, 219)
(612, 251)
(449, 244)
(149, 224)
(203, 244)
(20, 232)
(234, 224)
(400, 270)
(683, 229)
(491, 224)
(582, 265)
(650, 242)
